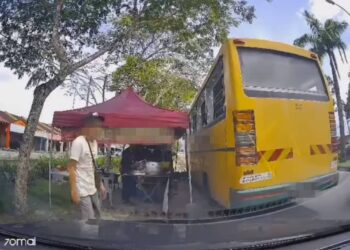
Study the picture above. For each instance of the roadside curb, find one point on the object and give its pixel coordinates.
(346, 169)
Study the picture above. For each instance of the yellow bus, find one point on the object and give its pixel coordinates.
(262, 126)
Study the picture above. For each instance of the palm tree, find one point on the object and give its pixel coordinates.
(323, 40)
(347, 105)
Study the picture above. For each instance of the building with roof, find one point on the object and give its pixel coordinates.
(12, 129)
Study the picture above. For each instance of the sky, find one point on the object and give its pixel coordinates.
(278, 20)
(282, 21)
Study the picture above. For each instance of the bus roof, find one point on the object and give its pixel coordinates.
(257, 43)
(271, 45)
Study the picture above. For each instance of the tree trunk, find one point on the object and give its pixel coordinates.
(339, 105)
(40, 94)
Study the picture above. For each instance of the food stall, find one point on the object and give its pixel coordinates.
(128, 119)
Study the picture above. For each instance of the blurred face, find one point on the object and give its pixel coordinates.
(92, 130)
(91, 133)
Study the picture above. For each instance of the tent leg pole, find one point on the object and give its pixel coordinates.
(50, 167)
(188, 168)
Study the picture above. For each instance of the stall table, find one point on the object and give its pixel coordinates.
(110, 180)
(152, 187)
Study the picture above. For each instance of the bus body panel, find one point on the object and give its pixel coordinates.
(208, 160)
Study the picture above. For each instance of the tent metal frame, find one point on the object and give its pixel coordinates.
(50, 165)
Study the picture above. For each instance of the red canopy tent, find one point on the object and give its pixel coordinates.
(125, 116)
(2, 120)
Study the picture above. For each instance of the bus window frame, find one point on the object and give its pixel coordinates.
(203, 102)
(194, 125)
(272, 92)
(221, 79)
(211, 121)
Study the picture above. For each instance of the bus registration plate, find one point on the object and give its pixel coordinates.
(256, 177)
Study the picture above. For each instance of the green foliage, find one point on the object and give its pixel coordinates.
(157, 81)
(324, 38)
(38, 195)
(62, 207)
(38, 167)
(170, 47)
(26, 32)
(116, 163)
(8, 166)
(182, 26)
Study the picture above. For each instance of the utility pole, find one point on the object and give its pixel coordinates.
(88, 92)
(75, 94)
(104, 88)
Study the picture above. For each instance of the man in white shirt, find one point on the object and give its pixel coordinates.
(82, 170)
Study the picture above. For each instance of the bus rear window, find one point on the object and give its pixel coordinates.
(280, 75)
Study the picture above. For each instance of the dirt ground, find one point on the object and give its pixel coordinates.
(179, 206)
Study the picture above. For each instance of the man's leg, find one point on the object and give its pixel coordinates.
(86, 208)
(133, 189)
(96, 205)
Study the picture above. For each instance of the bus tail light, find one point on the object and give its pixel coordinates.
(246, 151)
(244, 124)
(238, 42)
(313, 55)
(333, 127)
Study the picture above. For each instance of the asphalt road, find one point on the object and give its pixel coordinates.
(323, 211)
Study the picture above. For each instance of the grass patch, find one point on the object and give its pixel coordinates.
(345, 164)
(6, 196)
(39, 194)
(38, 202)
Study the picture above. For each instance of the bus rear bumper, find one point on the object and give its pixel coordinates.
(276, 195)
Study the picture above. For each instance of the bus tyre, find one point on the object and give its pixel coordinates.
(206, 187)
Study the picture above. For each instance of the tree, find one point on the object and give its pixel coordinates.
(89, 84)
(331, 87)
(165, 66)
(158, 81)
(324, 40)
(347, 104)
(45, 40)
(49, 40)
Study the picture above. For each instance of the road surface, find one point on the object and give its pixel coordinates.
(328, 209)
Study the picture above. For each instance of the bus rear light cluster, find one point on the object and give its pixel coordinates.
(238, 42)
(334, 139)
(244, 124)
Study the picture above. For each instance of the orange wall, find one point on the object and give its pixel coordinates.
(8, 133)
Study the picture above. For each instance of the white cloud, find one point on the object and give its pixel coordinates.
(14, 98)
(323, 10)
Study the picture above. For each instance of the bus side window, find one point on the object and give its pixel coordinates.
(204, 119)
(194, 121)
(219, 98)
(214, 94)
